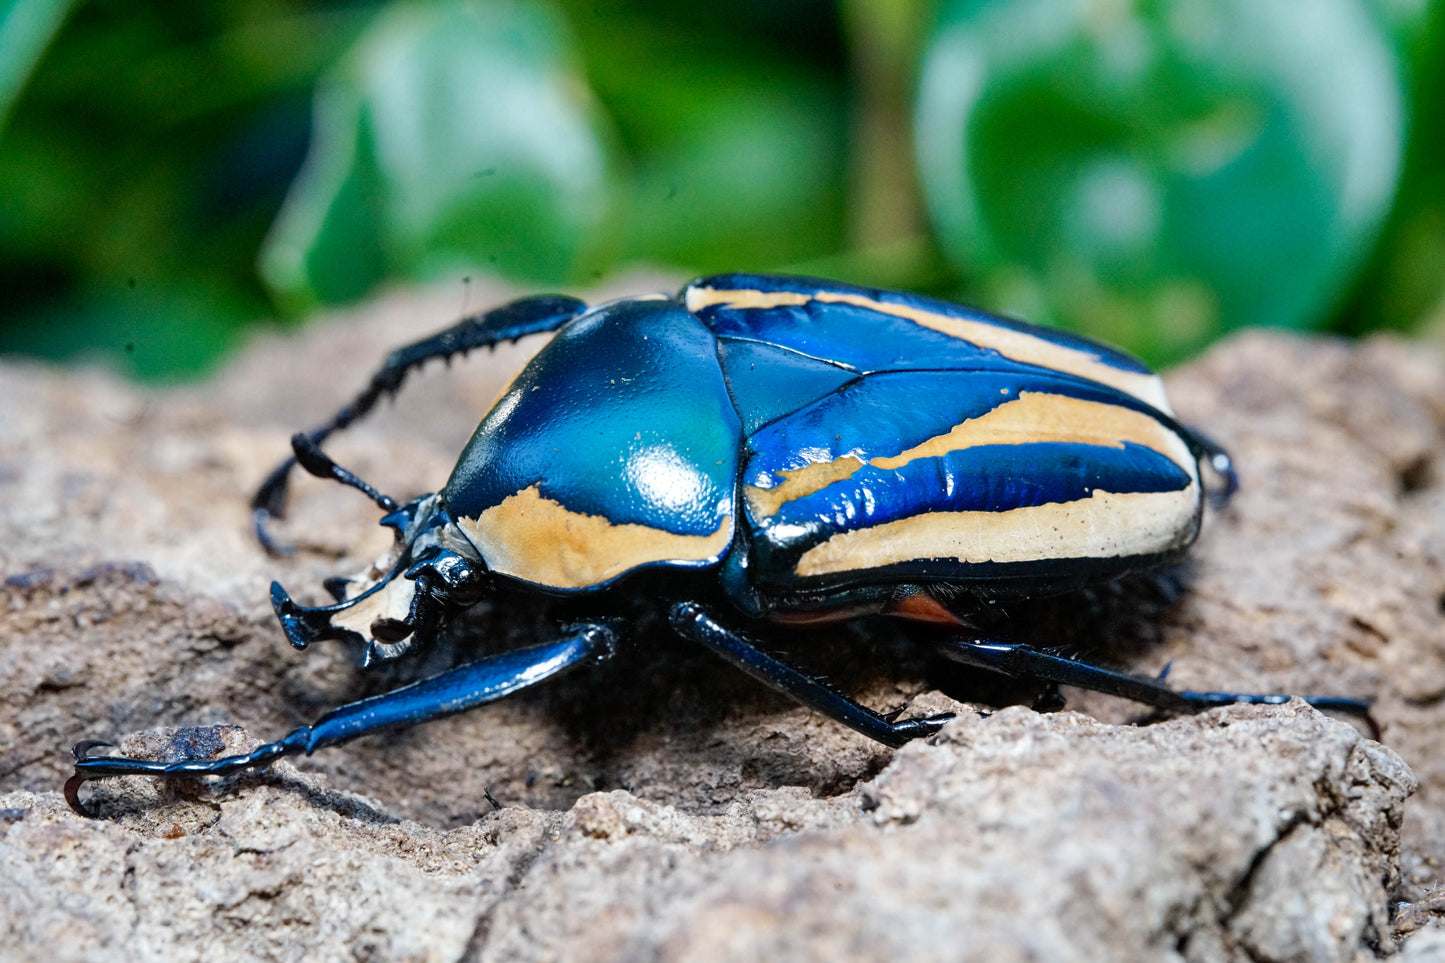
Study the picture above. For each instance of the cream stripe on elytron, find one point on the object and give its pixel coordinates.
(1017, 345)
(1032, 417)
(538, 540)
(1104, 525)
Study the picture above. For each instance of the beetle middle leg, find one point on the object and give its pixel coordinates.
(693, 622)
(456, 690)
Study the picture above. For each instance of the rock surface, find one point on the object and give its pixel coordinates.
(1014, 837)
(664, 807)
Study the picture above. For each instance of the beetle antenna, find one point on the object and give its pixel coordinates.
(310, 457)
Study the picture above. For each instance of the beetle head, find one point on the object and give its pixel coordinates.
(401, 600)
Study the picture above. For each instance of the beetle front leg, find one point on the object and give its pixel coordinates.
(693, 622)
(464, 687)
(508, 323)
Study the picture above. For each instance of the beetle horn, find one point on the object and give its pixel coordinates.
(397, 604)
(303, 625)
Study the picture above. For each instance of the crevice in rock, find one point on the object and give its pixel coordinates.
(1416, 475)
(477, 942)
(1238, 895)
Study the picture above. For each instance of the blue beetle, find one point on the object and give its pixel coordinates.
(768, 449)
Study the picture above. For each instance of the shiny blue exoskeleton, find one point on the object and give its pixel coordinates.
(818, 451)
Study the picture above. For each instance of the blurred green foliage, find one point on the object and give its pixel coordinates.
(1155, 172)
(1160, 172)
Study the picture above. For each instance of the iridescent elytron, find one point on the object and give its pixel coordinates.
(814, 451)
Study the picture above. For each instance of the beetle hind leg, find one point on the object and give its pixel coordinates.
(456, 690)
(1219, 460)
(1026, 662)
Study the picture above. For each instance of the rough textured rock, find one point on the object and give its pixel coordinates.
(664, 807)
(1017, 836)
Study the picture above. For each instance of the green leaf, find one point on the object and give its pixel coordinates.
(751, 184)
(1157, 172)
(1405, 285)
(160, 331)
(738, 145)
(141, 166)
(26, 28)
(455, 135)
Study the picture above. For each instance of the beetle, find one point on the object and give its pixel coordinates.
(767, 450)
